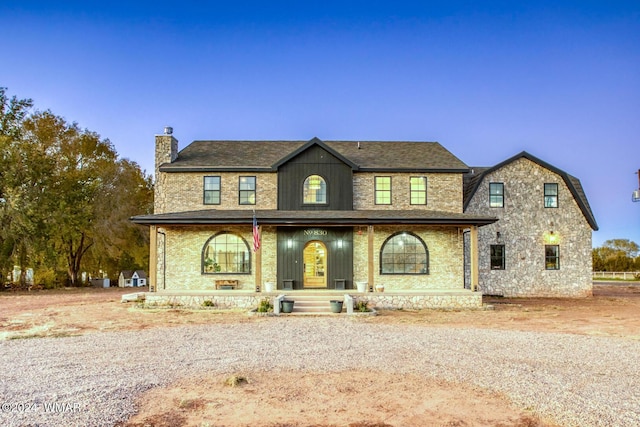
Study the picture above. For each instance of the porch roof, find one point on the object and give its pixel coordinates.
(315, 217)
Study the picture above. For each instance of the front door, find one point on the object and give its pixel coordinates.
(315, 265)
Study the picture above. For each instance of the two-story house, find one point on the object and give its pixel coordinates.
(327, 215)
(541, 244)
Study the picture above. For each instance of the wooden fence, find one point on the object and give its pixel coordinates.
(624, 275)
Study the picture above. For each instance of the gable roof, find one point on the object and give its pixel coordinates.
(473, 180)
(314, 141)
(128, 274)
(267, 156)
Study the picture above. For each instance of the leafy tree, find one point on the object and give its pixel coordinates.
(13, 111)
(629, 248)
(616, 255)
(12, 219)
(66, 198)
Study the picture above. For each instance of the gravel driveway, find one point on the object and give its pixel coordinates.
(92, 380)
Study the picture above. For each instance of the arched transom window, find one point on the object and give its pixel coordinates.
(404, 253)
(226, 253)
(314, 190)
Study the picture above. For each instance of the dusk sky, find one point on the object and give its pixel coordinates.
(486, 79)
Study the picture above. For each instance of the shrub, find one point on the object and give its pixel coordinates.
(265, 306)
(361, 306)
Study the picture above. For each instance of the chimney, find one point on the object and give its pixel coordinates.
(166, 147)
(166, 152)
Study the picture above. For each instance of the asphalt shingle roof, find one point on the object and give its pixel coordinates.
(266, 155)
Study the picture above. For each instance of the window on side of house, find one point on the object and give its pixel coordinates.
(497, 257)
(552, 257)
(211, 190)
(247, 190)
(418, 187)
(550, 195)
(496, 195)
(404, 253)
(314, 190)
(226, 253)
(382, 190)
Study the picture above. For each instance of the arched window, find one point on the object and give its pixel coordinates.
(404, 253)
(226, 253)
(314, 190)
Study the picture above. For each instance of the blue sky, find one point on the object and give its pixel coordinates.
(487, 79)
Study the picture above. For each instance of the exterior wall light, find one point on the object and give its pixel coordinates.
(340, 243)
(289, 243)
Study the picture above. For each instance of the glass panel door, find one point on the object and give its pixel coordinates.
(315, 267)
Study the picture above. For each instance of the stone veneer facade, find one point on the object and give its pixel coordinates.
(525, 227)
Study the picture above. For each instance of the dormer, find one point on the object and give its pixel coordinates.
(315, 177)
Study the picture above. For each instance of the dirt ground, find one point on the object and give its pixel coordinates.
(309, 398)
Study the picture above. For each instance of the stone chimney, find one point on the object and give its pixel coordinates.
(166, 152)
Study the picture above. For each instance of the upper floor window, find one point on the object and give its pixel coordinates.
(496, 195)
(418, 190)
(550, 195)
(497, 257)
(211, 190)
(247, 190)
(314, 190)
(404, 253)
(383, 190)
(552, 257)
(226, 253)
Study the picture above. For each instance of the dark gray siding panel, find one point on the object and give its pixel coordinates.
(315, 161)
(339, 260)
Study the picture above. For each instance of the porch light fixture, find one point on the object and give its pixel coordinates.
(340, 243)
(498, 235)
(289, 243)
(552, 237)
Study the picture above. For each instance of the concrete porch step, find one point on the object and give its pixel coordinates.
(317, 304)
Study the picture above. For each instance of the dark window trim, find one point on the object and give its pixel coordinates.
(375, 190)
(493, 257)
(254, 191)
(552, 262)
(555, 196)
(424, 245)
(326, 186)
(411, 191)
(204, 190)
(496, 195)
(204, 247)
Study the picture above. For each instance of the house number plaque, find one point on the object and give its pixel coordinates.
(315, 232)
